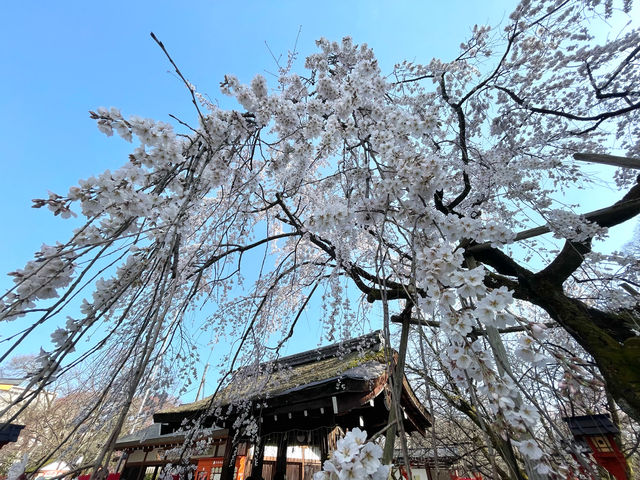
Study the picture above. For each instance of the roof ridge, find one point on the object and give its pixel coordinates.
(368, 340)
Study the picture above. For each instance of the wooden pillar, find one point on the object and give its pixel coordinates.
(228, 462)
(324, 445)
(258, 459)
(143, 469)
(281, 460)
(122, 463)
(427, 468)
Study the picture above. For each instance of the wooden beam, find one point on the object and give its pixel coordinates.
(624, 162)
(309, 406)
(595, 216)
(475, 331)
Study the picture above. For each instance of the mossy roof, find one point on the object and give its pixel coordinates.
(359, 359)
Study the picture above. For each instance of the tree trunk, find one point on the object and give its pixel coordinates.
(618, 360)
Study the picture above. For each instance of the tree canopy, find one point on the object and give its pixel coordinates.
(431, 189)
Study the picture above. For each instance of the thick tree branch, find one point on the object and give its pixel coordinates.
(498, 260)
(627, 208)
(572, 254)
(567, 262)
(581, 118)
(462, 143)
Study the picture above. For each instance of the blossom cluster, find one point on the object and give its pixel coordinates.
(354, 459)
(41, 278)
(573, 227)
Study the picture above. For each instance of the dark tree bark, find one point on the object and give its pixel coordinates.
(608, 336)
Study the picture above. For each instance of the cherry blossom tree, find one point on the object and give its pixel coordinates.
(432, 190)
(70, 420)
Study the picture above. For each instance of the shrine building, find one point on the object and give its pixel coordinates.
(280, 422)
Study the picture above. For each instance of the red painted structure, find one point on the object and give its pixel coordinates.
(598, 433)
(211, 468)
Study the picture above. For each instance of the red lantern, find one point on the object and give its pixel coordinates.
(597, 431)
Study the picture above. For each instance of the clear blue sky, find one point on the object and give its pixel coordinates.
(61, 59)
